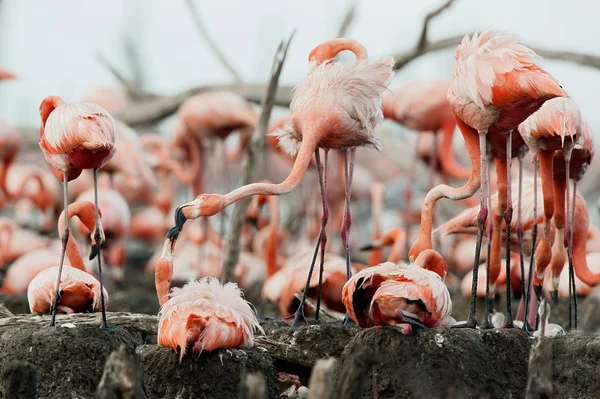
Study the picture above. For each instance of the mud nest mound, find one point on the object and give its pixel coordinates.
(434, 363)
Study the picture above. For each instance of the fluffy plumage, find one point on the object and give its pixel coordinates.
(373, 295)
(356, 91)
(206, 316)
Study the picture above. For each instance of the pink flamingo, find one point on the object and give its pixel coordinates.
(79, 290)
(74, 137)
(401, 295)
(497, 83)
(337, 106)
(5, 74)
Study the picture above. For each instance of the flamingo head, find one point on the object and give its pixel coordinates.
(48, 105)
(432, 260)
(203, 205)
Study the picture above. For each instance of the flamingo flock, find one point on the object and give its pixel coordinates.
(124, 186)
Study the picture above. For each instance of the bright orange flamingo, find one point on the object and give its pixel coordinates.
(422, 105)
(554, 127)
(497, 83)
(203, 314)
(401, 295)
(73, 137)
(79, 290)
(337, 106)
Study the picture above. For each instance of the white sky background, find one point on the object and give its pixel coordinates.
(52, 45)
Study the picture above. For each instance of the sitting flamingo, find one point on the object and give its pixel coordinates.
(79, 291)
(401, 295)
(203, 314)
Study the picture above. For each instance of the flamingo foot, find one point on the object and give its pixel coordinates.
(296, 320)
(470, 323)
(554, 296)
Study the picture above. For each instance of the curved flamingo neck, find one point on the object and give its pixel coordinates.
(4, 173)
(194, 168)
(579, 245)
(328, 50)
(431, 260)
(48, 105)
(85, 211)
(448, 162)
(307, 148)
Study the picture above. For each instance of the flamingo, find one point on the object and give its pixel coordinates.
(394, 238)
(497, 83)
(116, 221)
(553, 127)
(25, 268)
(337, 106)
(19, 241)
(78, 291)
(5, 74)
(203, 314)
(73, 137)
(401, 295)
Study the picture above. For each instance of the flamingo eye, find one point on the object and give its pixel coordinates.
(202, 198)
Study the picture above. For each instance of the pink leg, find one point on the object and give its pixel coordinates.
(489, 300)
(324, 238)
(349, 171)
(65, 240)
(520, 226)
(572, 287)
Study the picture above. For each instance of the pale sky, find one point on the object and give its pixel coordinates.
(52, 46)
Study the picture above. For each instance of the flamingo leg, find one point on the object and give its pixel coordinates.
(324, 237)
(299, 318)
(534, 231)
(97, 243)
(65, 240)
(349, 156)
(508, 213)
(481, 218)
(520, 227)
(433, 164)
(572, 286)
(544, 250)
(408, 193)
(489, 303)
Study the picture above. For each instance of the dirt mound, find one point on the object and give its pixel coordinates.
(436, 363)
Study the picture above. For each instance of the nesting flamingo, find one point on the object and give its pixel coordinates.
(203, 314)
(337, 106)
(78, 291)
(401, 295)
(496, 84)
(73, 137)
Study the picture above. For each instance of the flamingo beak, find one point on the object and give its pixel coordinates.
(371, 246)
(180, 220)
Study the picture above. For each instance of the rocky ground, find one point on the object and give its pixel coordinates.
(80, 360)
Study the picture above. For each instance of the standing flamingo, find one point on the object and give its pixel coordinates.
(79, 290)
(553, 127)
(497, 83)
(401, 295)
(337, 106)
(73, 137)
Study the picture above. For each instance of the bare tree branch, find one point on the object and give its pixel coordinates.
(254, 151)
(133, 59)
(405, 57)
(347, 21)
(431, 15)
(132, 90)
(209, 40)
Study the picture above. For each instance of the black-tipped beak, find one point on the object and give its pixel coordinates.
(554, 295)
(95, 251)
(368, 247)
(180, 218)
(538, 291)
(173, 233)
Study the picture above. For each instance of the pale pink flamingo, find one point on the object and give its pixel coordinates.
(497, 83)
(337, 106)
(5, 74)
(19, 241)
(73, 137)
(401, 295)
(78, 291)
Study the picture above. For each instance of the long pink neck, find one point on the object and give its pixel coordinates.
(86, 213)
(331, 48)
(448, 162)
(307, 148)
(581, 227)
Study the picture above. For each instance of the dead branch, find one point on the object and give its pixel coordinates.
(431, 15)
(254, 151)
(209, 40)
(133, 59)
(132, 90)
(347, 21)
